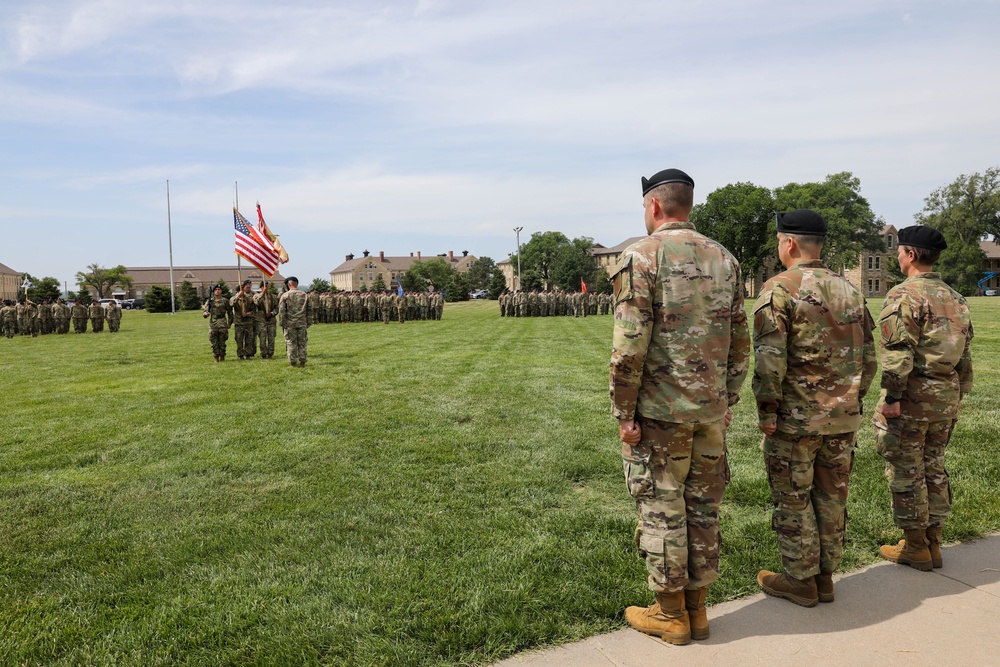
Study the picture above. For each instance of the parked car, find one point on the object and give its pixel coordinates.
(105, 302)
(138, 304)
(478, 294)
(127, 304)
(991, 292)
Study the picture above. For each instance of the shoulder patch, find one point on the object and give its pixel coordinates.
(891, 329)
(622, 279)
(764, 320)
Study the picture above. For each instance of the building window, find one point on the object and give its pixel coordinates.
(888, 241)
(878, 287)
(869, 287)
(869, 262)
(878, 262)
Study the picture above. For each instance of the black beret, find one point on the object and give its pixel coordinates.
(920, 236)
(247, 282)
(665, 176)
(801, 221)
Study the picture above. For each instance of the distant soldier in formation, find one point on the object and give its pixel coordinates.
(815, 359)
(79, 313)
(31, 317)
(243, 313)
(45, 318)
(266, 319)
(113, 314)
(550, 303)
(96, 317)
(925, 330)
(22, 317)
(8, 318)
(294, 313)
(220, 314)
(60, 312)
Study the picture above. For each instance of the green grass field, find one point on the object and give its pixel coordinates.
(433, 493)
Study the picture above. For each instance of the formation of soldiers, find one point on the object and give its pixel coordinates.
(27, 318)
(340, 307)
(681, 352)
(551, 303)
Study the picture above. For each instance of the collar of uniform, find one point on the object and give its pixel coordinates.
(674, 224)
(929, 275)
(810, 264)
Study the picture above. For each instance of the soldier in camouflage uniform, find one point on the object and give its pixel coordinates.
(294, 315)
(60, 313)
(244, 309)
(220, 311)
(96, 312)
(8, 317)
(79, 313)
(815, 359)
(266, 319)
(22, 317)
(673, 382)
(925, 329)
(45, 318)
(114, 316)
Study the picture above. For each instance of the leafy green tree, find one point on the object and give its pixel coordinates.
(480, 273)
(852, 226)
(188, 296)
(43, 288)
(319, 285)
(964, 211)
(364, 287)
(458, 288)
(379, 284)
(740, 216)
(102, 279)
(498, 283)
(83, 297)
(602, 283)
(432, 274)
(158, 299)
(573, 263)
(540, 254)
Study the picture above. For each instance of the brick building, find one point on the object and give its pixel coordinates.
(357, 272)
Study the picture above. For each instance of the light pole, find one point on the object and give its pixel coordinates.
(517, 231)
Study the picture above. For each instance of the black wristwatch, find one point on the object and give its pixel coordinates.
(889, 400)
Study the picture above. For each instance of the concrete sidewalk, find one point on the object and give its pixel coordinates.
(884, 615)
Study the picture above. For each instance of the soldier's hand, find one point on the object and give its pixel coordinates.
(205, 314)
(768, 429)
(629, 431)
(729, 417)
(890, 410)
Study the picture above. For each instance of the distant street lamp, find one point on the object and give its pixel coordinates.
(517, 231)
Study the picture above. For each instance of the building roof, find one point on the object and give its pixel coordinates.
(991, 248)
(601, 250)
(6, 269)
(160, 275)
(400, 263)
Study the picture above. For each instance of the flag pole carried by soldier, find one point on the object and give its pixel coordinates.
(925, 331)
(673, 382)
(814, 361)
(220, 311)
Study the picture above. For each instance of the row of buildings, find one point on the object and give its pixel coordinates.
(871, 275)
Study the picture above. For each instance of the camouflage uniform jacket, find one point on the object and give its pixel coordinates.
(243, 307)
(681, 346)
(294, 309)
(814, 351)
(925, 330)
(220, 313)
(8, 314)
(79, 311)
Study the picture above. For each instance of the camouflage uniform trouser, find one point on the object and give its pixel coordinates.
(914, 465)
(96, 326)
(218, 336)
(677, 475)
(8, 329)
(61, 326)
(296, 340)
(246, 346)
(269, 331)
(809, 477)
(113, 325)
(79, 325)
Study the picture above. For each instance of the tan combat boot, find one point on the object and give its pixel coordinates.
(912, 551)
(801, 592)
(824, 586)
(934, 545)
(694, 600)
(666, 619)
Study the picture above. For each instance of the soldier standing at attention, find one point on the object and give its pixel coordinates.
(294, 312)
(243, 314)
(114, 316)
(220, 311)
(925, 329)
(79, 318)
(96, 317)
(8, 317)
(266, 323)
(815, 359)
(22, 317)
(673, 382)
(60, 314)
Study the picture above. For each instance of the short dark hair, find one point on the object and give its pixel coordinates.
(923, 256)
(674, 197)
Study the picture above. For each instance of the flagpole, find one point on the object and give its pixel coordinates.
(239, 266)
(170, 245)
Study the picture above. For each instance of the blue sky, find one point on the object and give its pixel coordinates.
(434, 125)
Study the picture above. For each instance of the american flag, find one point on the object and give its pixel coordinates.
(254, 247)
